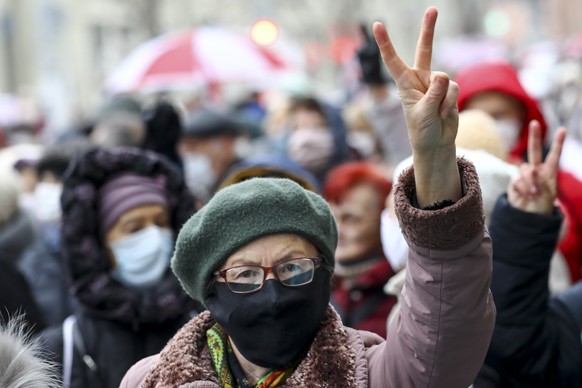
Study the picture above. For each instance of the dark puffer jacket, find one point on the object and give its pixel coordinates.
(15, 294)
(537, 338)
(43, 267)
(118, 325)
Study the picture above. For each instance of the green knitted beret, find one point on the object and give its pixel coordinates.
(244, 212)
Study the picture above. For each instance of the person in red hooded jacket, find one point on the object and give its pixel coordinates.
(494, 87)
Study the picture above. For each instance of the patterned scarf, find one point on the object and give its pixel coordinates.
(230, 373)
(336, 358)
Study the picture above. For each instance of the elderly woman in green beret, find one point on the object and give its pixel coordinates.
(260, 256)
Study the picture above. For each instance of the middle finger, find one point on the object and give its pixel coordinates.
(423, 54)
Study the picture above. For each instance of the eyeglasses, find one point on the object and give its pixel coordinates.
(244, 279)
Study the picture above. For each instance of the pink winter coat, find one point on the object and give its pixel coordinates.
(438, 339)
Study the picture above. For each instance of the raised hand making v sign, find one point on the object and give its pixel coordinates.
(429, 99)
(447, 313)
(535, 189)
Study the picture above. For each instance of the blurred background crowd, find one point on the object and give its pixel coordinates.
(62, 59)
(227, 90)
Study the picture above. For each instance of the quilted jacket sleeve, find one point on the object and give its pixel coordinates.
(442, 332)
(536, 341)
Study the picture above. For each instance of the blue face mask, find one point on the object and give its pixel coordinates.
(143, 257)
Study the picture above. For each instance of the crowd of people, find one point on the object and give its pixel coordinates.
(424, 234)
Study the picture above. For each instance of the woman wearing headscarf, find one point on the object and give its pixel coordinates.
(260, 256)
(121, 209)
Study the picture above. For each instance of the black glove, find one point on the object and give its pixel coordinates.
(371, 61)
(163, 130)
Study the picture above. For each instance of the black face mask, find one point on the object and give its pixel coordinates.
(273, 326)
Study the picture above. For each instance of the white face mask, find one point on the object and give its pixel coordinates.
(362, 142)
(242, 147)
(199, 175)
(508, 130)
(27, 202)
(393, 242)
(47, 202)
(143, 257)
(311, 148)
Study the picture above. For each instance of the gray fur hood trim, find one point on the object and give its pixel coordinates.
(21, 361)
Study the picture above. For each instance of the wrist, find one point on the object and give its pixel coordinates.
(540, 208)
(437, 177)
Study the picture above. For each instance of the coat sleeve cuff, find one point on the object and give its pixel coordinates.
(446, 228)
(523, 237)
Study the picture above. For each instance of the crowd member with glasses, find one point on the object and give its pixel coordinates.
(260, 256)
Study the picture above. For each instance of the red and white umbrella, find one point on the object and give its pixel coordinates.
(201, 56)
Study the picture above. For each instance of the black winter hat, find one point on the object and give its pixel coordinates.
(206, 122)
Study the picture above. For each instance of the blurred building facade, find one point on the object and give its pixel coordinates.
(60, 51)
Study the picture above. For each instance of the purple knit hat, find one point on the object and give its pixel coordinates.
(124, 193)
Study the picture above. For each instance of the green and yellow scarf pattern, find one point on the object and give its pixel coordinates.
(219, 347)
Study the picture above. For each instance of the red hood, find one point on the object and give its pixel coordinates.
(500, 77)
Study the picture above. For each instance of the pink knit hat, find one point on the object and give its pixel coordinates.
(127, 192)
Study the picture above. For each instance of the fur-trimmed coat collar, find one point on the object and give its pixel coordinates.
(185, 362)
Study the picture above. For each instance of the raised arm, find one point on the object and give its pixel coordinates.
(441, 333)
(429, 99)
(536, 341)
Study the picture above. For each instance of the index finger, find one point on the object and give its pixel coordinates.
(423, 54)
(534, 143)
(553, 158)
(393, 62)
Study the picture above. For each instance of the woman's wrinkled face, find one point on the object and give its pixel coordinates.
(270, 250)
(358, 220)
(137, 219)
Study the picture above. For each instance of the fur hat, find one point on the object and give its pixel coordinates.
(477, 131)
(242, 213)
